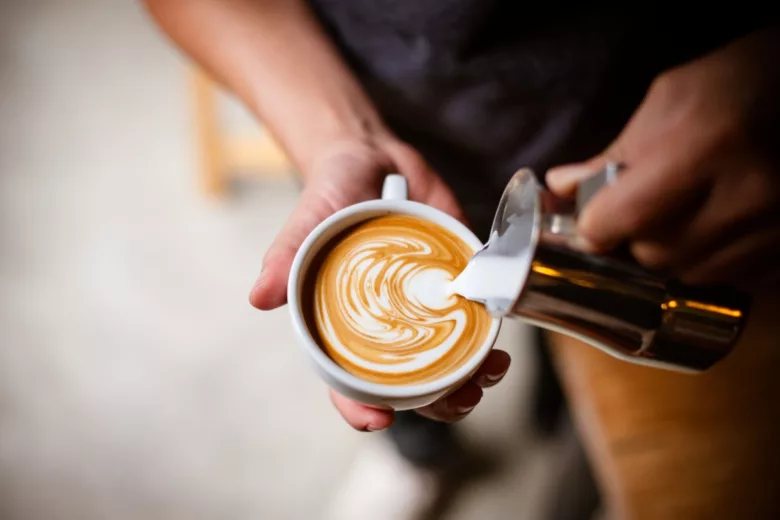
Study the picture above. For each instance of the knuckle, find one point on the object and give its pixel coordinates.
(406, 149)
(634, 220)
(615, 153)
(661, 90)
(590, 223)
(601, 227)
(434, 412)
(763, 188)
(276, 255)
(652, 255)
(669, 88)
(661, 84)
(694, 277)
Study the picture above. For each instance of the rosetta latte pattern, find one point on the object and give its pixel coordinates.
(382, 307)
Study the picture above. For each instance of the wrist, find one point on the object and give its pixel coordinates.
(359, 137)
(365, 147)
(309, 125)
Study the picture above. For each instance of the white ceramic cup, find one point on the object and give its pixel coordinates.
(396, 397)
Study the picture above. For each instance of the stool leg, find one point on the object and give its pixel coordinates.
(210, 160)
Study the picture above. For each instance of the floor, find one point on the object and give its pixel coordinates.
(136, 382)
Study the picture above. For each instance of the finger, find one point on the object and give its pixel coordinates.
(735, 205)
(564, 180)
(455, 406)
(748, 261)
(270, 289)
(648, 197)
(493, 369)
(440, 196)
(690, 241)
(425, 185)
(361, 417)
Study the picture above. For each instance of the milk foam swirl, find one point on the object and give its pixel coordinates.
(381, 306)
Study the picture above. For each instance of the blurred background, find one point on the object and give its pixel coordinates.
(136, 382)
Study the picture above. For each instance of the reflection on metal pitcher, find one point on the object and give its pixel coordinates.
(530, 269)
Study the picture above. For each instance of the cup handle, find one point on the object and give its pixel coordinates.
(395, 188)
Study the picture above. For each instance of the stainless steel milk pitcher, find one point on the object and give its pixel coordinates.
(609, 302)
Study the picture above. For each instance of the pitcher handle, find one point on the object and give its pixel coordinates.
(588, 188)
(565, 224)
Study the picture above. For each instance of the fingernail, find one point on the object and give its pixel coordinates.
(463, 410)
(493, 378)
(372, 428)
(488, 380)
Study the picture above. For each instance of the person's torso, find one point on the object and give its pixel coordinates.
(499, 85)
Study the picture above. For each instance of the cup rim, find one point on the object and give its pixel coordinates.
(331, 367)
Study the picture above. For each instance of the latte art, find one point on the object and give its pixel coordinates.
(381, 305)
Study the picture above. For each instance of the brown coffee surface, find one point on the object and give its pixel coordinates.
(381, 308)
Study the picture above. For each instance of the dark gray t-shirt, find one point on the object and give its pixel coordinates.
(483, 87)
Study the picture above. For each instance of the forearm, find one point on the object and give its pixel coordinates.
(276, 58)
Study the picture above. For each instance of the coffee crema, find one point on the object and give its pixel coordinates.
(381, 305)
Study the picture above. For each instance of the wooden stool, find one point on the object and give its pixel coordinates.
(669, 446)
(223, 154)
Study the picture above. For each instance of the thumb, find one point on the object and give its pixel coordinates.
(270, 289)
